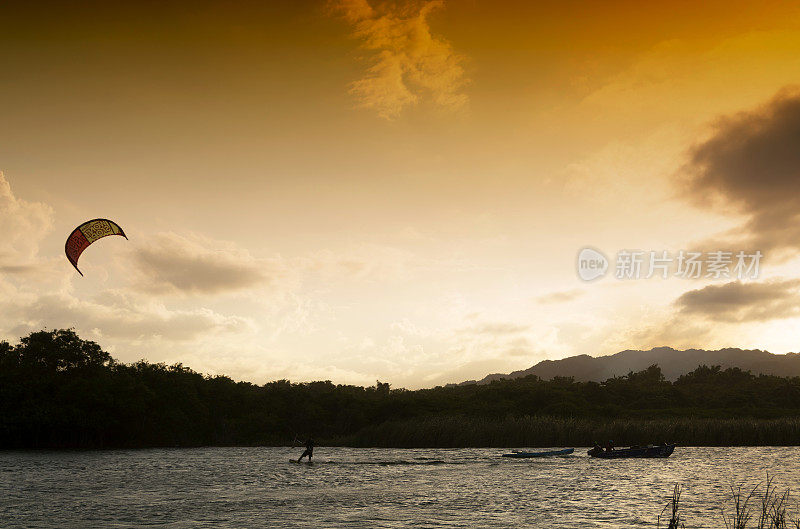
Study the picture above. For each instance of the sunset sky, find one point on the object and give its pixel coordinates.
(354, 190)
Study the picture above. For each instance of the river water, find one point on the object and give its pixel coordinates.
(373, 488)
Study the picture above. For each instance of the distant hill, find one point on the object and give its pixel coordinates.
(673, 363)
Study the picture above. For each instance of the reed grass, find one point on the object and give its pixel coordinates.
(673, 507)
(764, 504)
(764, 500)
(546, 431)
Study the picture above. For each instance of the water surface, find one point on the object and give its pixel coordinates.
(371, 488)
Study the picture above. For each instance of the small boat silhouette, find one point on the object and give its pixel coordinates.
(522, 454)
(663, 450)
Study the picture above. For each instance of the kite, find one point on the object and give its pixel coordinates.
(86, 234)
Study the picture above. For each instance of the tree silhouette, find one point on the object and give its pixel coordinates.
(57, 390)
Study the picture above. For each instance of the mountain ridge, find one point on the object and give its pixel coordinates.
(673, 363)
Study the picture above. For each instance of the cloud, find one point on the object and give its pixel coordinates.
(361, 262)
(751, 166)
(695, 77)
(743, 302)
(117, 315)
(171, 263)
(408, 61)
(409, 356)
(483, 340)
(23, 225)
(496, 329)
(18, 269)
(721, 315)
(560, 297)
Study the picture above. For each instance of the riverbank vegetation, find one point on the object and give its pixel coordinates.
(59, 391)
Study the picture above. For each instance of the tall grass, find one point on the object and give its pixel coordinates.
(673, 507)
(766, 507)
(545, 431)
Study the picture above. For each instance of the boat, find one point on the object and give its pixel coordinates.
(520, 454)
(664, 450)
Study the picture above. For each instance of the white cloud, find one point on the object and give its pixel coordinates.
(117, 315)
(23, 225)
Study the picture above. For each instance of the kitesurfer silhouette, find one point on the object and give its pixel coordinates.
(309, 450)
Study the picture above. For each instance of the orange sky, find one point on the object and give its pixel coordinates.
(359, 190)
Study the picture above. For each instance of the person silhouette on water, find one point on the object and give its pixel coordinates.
(309, 450)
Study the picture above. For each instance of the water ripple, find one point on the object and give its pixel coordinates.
(371, 488)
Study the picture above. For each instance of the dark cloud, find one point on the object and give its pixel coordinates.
(175, 264)
(743, 302)
(751, 166)
(18, 269)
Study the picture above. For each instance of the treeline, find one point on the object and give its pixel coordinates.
(59, 391)
(532, 431)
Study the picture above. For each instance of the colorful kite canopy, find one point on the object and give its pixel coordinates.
(86, 234)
